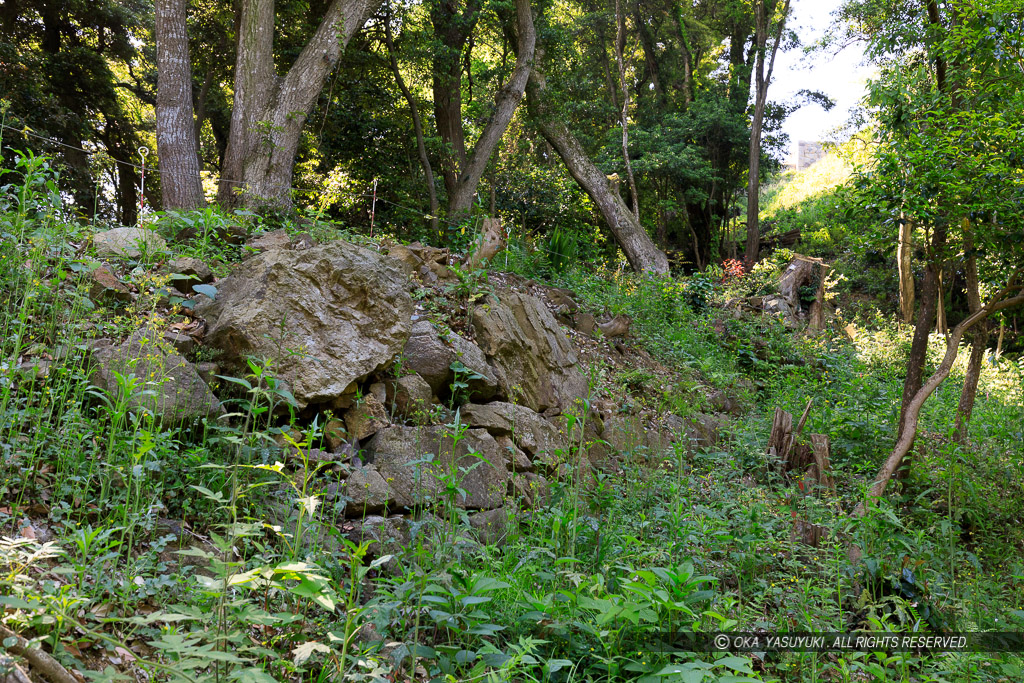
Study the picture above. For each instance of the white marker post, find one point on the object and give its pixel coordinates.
(143, 152)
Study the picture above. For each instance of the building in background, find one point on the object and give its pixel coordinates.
(808, 153)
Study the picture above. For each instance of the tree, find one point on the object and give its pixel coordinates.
(61, 68)
(462, 187)
(763, 17)
(176, 140)
(951, 157)
(636, 244)
(620, 43)
(269, 112)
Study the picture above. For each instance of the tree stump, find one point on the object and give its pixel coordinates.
(781, 436)
(822, 461)
(491, 241)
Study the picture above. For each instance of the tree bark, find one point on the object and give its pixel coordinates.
(452, 29)
(687, 55)
(269, 112)
(637, 245)
(904, 249)
(176, 142)
(763, 79)
(417, 123)
(979, 342)
(620, 42)
(923, 327)
(505, 104)
(1000, 301)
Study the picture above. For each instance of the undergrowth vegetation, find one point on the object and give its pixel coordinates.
(205, 552)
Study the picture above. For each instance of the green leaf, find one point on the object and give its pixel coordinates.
(235, 380)
(208, 290)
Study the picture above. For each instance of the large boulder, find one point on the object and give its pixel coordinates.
(329, 316)
(530, 353)
(415, 461)
(167, 384)
(128, 242)
(431, 357)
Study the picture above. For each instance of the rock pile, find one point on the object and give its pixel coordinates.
(414, 415)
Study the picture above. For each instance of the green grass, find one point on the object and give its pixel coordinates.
(268, 589)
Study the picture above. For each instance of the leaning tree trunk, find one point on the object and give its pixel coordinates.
(176, 142)
(763, 80)
(269, 112)
(640, 250)
(460, 200)
(999, 301)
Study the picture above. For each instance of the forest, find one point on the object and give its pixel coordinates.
(496, 340)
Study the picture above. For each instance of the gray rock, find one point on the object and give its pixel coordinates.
(409, 395)
(366, 491)
(208, 371)
(171, 387)
(128, 242)
(276, 239)
(703, 430)
(343, 308)
(106, 287)
(478, 463)
(193, 270)
(366, 418)
(519, 461)
(182, 343)
(533, 359)
(529, 431)
(335, 435)
(431, 358)
(380, 392)
(627, 434)
(490, 526)
(585, 323)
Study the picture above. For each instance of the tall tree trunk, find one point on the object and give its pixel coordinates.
(979, 342)
(505, 104)
(269, 112)
(417, 123)
(613, 91)
(176, 143)
(687, 55)
(640, 250)
(620, 44)
(923, 326)
(650, 48)
(940, 307)
(763, 23)
(904, 249)
(452, 29)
